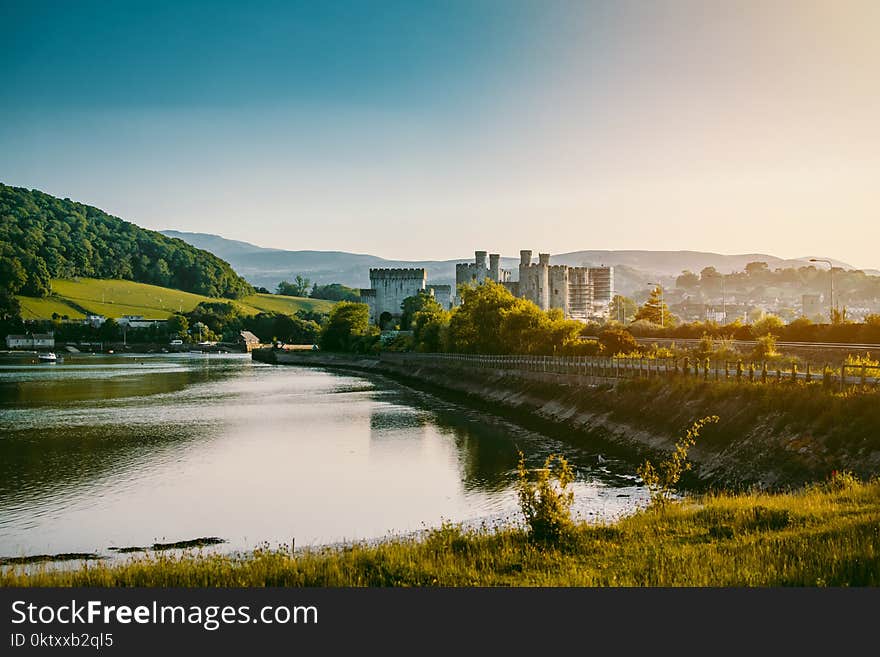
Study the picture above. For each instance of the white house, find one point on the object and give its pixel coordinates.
(32, 341)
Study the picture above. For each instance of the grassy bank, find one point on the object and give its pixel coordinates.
(827, 535)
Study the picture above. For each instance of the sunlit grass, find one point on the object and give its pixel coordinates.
(824, 535)
(115, 298)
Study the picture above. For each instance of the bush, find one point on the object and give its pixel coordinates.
(546, 504)
(662, 480)
(618, 341)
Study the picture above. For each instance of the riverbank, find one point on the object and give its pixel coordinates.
(825, 535)
(773, 435)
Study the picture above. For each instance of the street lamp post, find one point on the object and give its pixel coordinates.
(662, 314)
(831, 276)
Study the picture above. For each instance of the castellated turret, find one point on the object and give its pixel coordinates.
(495, 267)
(579, 292)
(389, 287)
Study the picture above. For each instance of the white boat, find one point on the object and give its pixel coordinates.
(48, 357)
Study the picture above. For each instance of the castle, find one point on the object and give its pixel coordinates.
(580, 292)
(389, 287)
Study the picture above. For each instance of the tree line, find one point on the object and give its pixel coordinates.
(44, 237)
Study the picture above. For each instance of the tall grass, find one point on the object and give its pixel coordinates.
(826, 535)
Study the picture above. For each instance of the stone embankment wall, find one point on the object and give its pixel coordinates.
(755, 444)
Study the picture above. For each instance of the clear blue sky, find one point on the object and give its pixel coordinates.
(428, 129)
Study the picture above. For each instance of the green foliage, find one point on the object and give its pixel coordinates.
(296, 329)
(622, 309)
(656, 311)
(414, 304)
(430, 329)
(299, 287)
(617, 341)
(546, 502)
(768, 325)
(348, 321)
(334, 292)
(43, 237)
(862, 359)
(663, 479)
(491, 320)
(178, 327)
(765, 348)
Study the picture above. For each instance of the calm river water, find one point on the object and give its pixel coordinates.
(118, 451)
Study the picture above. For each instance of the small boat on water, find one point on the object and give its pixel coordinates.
(48, 357)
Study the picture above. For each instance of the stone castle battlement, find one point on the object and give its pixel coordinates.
(403, 272)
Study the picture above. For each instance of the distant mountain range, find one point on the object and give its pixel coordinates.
(633, 269)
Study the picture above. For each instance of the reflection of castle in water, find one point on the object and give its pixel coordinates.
(581, 293)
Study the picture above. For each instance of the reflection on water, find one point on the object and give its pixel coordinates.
(113, 451)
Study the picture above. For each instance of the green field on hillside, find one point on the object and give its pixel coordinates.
(43, 308)
(274, 303)
(115, 298)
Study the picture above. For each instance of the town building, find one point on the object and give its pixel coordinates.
(33, 341)
(248, 340)
(139, 322)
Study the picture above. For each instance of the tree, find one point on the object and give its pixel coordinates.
(756, 269)
(622, 309)
(655, 310)
(347, 321)
(710, 280)
(414, 304)
(334, 292)
(617, 341)
(109, 330)
(768, 325)
(48, 237)
(299, 287)
(430, 326)
(178, 326)
(688, 280)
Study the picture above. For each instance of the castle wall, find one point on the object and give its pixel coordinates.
(557, 288)
(534, 283)
(442, 295)
(369, 297)
(392, 286)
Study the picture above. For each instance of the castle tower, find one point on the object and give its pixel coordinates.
(495, 267)
(391, 287)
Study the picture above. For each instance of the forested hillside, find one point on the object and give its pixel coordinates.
(44, 237)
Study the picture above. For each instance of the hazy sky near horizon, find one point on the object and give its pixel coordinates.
(426, 129)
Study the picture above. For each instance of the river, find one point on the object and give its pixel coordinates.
(115, 451)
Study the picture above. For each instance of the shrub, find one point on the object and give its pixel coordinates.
(546, 502)
(765, 348)
(662, 480)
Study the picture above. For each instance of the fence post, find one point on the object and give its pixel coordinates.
(864, 374)
(794, 371)
(686, 366)
(764, 371)
(706, 369)
(809, 374)
(826, 376)
(739, 371)
(751, 372)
